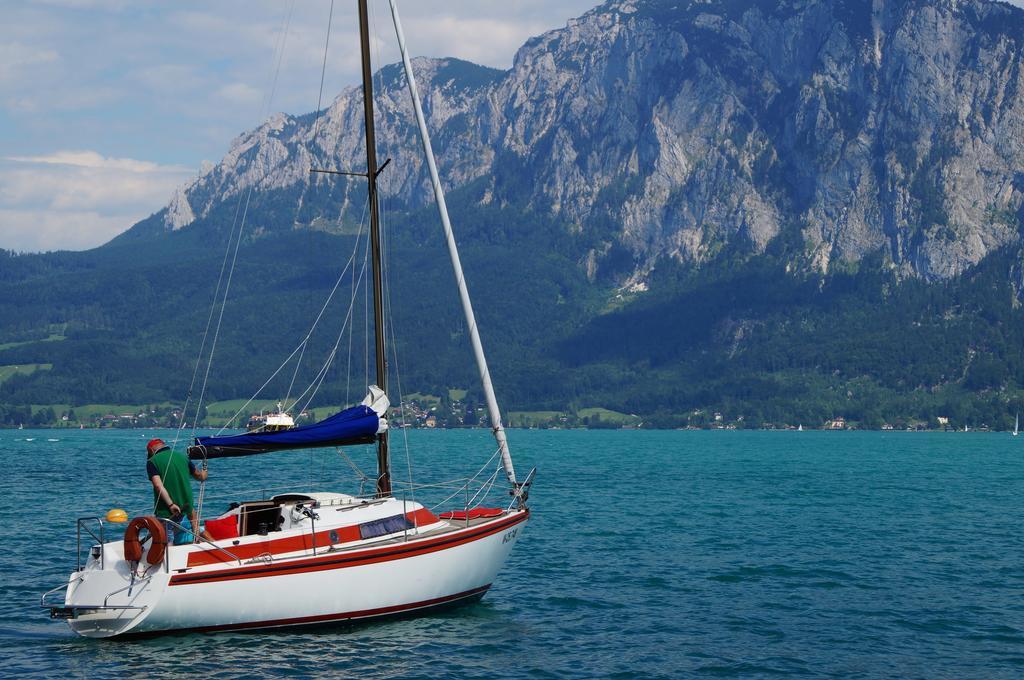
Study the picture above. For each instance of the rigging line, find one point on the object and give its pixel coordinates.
(318, 379)
(323, 72)
(241, 228)
(401, 413)
(309, 178)
(484, 489)
(280, 58)
(316, 322)
(394, 352)
(199, 509)
(289, 357)
(363, 477)
(295, 373)
(375, 45)
(220, 317)
(352, 328)
(183, 419)
(348, 362)
(272, 376)
(351, 260)
(366, 327)
(312, 139)
(322, 374)
(304, 340)
(468, 481)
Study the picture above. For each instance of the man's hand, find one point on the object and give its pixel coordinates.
(175, 509)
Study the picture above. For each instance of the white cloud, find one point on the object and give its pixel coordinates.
(240, 93)
(107, 5)
(179, 81)
(16, 57)
(39, 231)
(168, 77)
(75, 99)
(483, 41)
(78, 199)
(92, 159)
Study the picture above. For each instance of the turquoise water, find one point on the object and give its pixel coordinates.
(657, 554)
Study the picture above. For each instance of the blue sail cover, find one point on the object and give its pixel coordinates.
(356, 425)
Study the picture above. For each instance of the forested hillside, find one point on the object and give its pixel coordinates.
(743, 338)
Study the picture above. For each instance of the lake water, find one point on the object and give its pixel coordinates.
(656, 554)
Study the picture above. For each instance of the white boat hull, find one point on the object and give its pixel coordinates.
(343, 585)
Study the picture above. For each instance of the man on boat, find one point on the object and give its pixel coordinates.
(169, 472)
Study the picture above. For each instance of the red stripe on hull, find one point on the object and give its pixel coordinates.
(355, 559)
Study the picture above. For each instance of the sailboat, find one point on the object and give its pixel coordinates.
(299, 558)
(1016, 424)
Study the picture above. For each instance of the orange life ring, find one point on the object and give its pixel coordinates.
(132, 545)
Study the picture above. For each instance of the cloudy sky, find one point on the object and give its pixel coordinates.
(107, 105)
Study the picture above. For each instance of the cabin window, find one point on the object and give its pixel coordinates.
(381, 527)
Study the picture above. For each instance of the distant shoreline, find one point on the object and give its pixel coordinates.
(51, 428)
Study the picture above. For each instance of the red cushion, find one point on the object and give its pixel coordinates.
(225, 527)
(475, 513)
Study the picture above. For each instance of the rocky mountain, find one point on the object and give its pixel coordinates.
(674, 127)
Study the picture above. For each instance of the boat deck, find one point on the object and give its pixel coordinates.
(329, 538)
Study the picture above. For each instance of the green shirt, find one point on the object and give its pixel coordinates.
(173, 468)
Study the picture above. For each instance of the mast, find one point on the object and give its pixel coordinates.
(383, 462)
(460, 279)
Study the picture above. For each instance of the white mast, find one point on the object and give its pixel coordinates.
(453, 252)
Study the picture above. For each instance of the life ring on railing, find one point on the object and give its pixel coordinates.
(132, 545)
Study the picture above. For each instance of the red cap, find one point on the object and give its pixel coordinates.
(155, 445)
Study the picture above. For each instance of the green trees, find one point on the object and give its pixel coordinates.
(743, 335)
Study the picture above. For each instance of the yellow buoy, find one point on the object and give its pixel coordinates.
(117, 515)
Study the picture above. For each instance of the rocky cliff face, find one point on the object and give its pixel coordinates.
(673, 128)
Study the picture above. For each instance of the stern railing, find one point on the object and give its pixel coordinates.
(83, 523)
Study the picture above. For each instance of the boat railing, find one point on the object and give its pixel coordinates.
(470, 492)
(132, 584)
(473, 492)
(195, 533)
(477, 489)
(61, 610)
(62, 587)
(82, 523)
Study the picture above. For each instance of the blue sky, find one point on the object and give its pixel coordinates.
(107, 105)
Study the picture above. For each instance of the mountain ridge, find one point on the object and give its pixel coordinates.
(669, 129)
